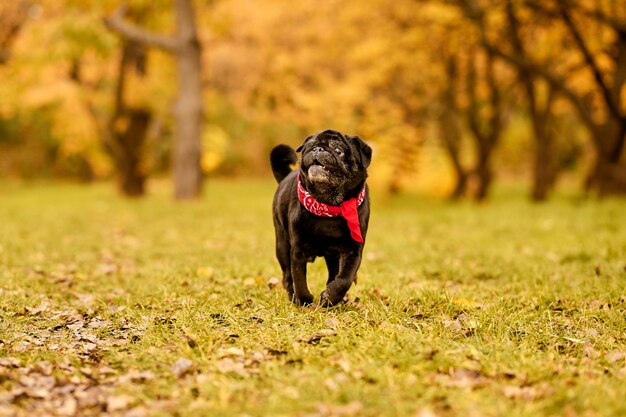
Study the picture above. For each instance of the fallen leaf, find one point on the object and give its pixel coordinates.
(353, 408)
(106, 268)
(21, 346)
(615, 356)
(182, 367)
(118, 402)
(232, 351)
(315, 337)
(461, 378)
(333, 323)
(454, 325)
(590, 351)
(529, 393)
(273, 282)
(68, 407)
(331, 384)
(378, 293)
(37, 310)
(89, 347)
(97, 323)
(10, 362)
(136, 377)
(228, 365)
(136, 412)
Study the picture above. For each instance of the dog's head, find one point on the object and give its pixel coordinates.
(334, 165)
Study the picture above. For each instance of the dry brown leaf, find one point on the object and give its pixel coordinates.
(351, 409)
(462, 378)
(232, 351)
(136, 377)
(590, 351)
(616, 356)
(228, 365)
(37, 381)
(136, 412)
(97, 323)
(21, 346)
(333, 323)
(68, 407)
(273, 282)
(317, 336)
(378, 293)
(527, 393)
(182, 367)
(37, 310)
(454, 325)
(106, 268)
(10, 362)
(89, 397)
(118, 402)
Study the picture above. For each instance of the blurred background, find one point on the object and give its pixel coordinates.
(453, 95)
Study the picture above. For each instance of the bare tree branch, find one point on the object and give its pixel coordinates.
(601, 17)
(522, 62)
(591, 62)
(117, 23)
(619, 77)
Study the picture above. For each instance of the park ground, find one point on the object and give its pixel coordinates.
(150, 307)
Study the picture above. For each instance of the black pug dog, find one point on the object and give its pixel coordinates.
(321, 209)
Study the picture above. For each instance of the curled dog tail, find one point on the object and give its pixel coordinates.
(281, 157)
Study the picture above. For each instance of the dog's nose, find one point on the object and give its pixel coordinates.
(318, 149)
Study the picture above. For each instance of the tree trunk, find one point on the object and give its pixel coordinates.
(449, 126)
(544, 173)
(608, 174)
(127, 128)
(483, 175)
(185, 47)
(451, 135)
(544, 169)
(129, 145)
(486, 132)
(124, 132)
(188, 108)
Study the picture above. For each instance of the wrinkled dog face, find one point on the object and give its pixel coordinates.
(333, 164)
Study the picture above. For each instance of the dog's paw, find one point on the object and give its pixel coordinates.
(325, 300)
(303, 300)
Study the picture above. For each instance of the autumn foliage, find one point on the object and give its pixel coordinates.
(452, 94)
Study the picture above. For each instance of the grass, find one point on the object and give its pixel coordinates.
(150, 307)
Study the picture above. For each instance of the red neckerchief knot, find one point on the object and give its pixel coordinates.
(347, 209)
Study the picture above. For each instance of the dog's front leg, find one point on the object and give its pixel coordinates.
(332, 263)
(335, 290)
(298, 273)
(283, 253)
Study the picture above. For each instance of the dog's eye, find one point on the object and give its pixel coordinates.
(338, 151)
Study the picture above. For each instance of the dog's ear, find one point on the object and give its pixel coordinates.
(365, 152)
(302, 146)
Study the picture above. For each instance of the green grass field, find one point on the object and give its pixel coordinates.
(149, 307)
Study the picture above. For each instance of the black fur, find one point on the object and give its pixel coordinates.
(281, 158)
(333, 169)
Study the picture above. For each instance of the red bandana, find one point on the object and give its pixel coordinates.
(347, 209)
